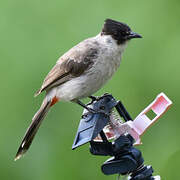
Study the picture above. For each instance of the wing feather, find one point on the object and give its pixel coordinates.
(72, 64)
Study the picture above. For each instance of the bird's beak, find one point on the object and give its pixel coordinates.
(134, 35)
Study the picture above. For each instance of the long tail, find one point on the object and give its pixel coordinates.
(33, 128)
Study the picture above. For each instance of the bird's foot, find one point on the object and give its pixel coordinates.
(93, 98)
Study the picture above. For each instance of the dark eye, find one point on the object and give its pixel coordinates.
(124, 33)
(128, 33)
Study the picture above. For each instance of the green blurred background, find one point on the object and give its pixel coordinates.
(33, 34)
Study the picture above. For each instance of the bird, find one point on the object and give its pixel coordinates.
(81, 72)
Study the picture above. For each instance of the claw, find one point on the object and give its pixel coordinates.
(93, 98)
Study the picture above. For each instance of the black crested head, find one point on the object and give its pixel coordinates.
(119, 31)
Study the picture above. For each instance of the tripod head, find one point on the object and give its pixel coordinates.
(126, 159)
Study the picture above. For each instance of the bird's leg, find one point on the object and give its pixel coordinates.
(84, 106)
(88, 108)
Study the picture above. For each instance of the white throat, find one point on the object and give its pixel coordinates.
(112, 43)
